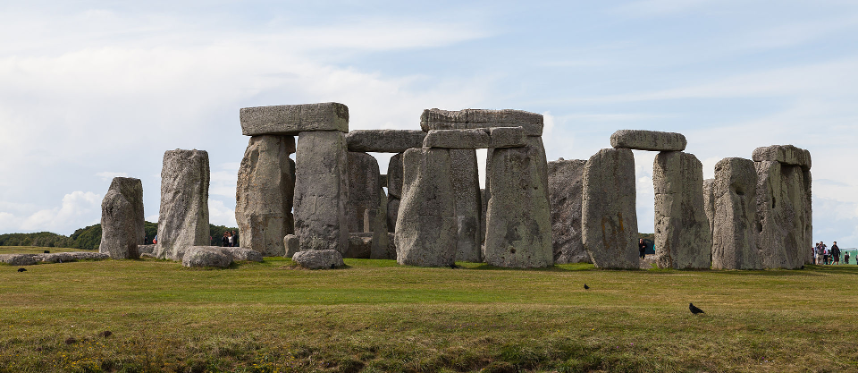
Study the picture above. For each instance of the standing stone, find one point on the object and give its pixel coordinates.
(518, 218)
(682, 236)
(426, 225)
(263, 197)
(466, 188)
(565, 186)
(610, 224)
(484, 200)
(394, 190)
(783, 214)
(709, 202)
(183, 220)
(122, 219)
(321, 191)
(380, 234)
(734, 240)
(364, 186)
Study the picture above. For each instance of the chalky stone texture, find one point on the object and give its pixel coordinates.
(241, 253)
(788, 154)
(609, 218)
(183, 220)
(466, 189)
(292, 245)
(380, 238)
(682, 236)
(734, 240)
(19, 259)
(394, 141)
(363, 191)
(437, 119)
(263, 198)
(783, 214)
(475, 138)
(321, 191)
(648, 140)
(122, 219)
(319, 259)
(565, 188)
(518, 218)
(294, 119)
(206, 256)
(709, 202)
(394, 190)
(426, 224)
(146, 249)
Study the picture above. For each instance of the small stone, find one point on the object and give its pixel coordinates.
(205, 256)
(292, 245)
(787, 154)
(393, 141)
(294, 119)
(648, 140)
(122, 219)
(319, 259)
(360, 246)
(239, 254)
(437, 119)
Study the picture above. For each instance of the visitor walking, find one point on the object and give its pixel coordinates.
(845, 258)
(642, 248)
(826, 254)
(835, 253)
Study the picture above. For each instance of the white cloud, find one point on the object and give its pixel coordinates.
(76, 207)
(659, 8)
(108, 176)
(220, 214)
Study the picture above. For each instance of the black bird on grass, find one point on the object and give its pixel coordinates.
(453, 266)
(586, 287)
(47, 251)
(22, 269)
(694, 309)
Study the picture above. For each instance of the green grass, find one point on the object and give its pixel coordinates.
(377, 316)
(37, 250)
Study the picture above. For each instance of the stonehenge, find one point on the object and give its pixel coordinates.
(734, 239)
(565, 190)
(183, 219)
(122, 219)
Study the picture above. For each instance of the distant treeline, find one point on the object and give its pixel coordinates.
(90, 237)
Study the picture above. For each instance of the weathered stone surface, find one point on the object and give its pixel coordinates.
(787, 154)
(319, 259)
(292, 245)
(394, 178)
(682, 236)
(392, 213)
(475, 138)
(734, 240)
(294, 119)
(380, 242)
(19, 259)
(241, 254)
(518, 218)
(146, 249)
(784, 221)
(61, 257)
(395, 141)
(321, 191)
(183, 220)
(122, 219)
(86, 255)
(264, 192)
(648, 140)
(360, 246)
(466, 191)
(437, 119)
(205, 256)
(363, 191)
(609, 220)
(709, 202)
(484, 202)
(565, 189)
(426, 224)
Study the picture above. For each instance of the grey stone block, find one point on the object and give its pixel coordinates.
(291, 244)
(734, 240)
(19, 259)
(466, 190)
(709, 202)
(437, 119)
(476, 138)
(648, 140)
(784, 217)
(122, 219)
(394, 141)
(360, 246)
(565, 189)
(787, 154)
(319, 259)
(205, 256)
(183, 220)
(394, 177)
(294, 119)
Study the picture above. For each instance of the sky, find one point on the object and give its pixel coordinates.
(90, 90)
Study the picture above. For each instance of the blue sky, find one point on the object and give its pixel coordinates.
(90, 90)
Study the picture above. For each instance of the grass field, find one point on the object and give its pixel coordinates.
(378, 316)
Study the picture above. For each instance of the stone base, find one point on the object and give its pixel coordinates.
(319, 259)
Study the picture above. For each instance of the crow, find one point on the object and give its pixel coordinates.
(586, 287)
(453, 266)
(47, 251)
(694, 309)
(22, 269)
(70, 340)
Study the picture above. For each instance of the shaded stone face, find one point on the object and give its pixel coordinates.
(783, 215)
(476, 138)
(682, 236)
(264, 193)
(709, 202)
(380, 237)
(394, 190)
(183, 220)
(122, 219)
(565, 188)
(294, 119)
(321, 191)
(518, 223)
(363, 191)
(466, 190)
(437, 119)
(648, 140)
(426, 224)
(788, 154)
(734, 240)
(609, 224)
(395, 141)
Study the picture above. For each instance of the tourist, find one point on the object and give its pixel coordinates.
(813, 251)
(826, 254)
(835, 253)
(224, 241)
(235, 239)
(642, 248)
(820, 259)
(845, 258)
(230, 239)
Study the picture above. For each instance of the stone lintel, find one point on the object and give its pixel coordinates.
(293, 119)
(504, 137)
(392, 141)
(648, 140)
(438, 119)
(786, 154)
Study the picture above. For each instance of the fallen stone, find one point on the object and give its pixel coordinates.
(86, 255)
(466, 190)
(294, 119)
(682, 236)
(788, 154)
(394, 141)
(239, 254)
(205, 256)
(62, 257)
(264, 193)
(475, 138)
(734, 240)
(648, 140)
(319, 259)
(19, 259)
(426, 223)
(609, 217)
(183, 220)
(437, 119)
(360, 246)
(292, 245)
(321, 191)
(784, 219)
(565, 188)
(122, 219)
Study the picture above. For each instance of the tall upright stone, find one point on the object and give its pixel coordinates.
(264, 192)
(183, 219)
(394, 190)
(709, 202)
(466, 189)
(321, 191)
(426, 224)
(565, 188)
(363, 177)
(734, 240)
(609, 219)
(122, 219)
(682, 236)
(783, 214)
(380, 236)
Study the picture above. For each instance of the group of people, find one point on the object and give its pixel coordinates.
(230, 239)
(822, 255)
